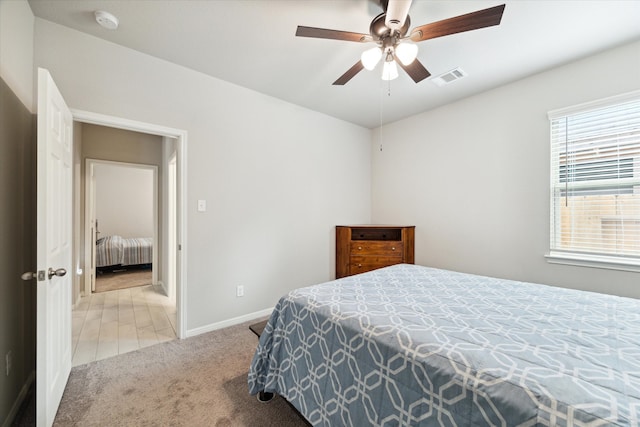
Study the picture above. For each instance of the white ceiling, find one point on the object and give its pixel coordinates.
(252, 43)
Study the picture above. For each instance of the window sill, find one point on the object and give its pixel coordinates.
(594, 261)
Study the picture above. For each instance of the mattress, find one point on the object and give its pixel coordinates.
(411, 345)
(117, 250)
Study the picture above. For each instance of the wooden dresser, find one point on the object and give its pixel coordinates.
(361, 248)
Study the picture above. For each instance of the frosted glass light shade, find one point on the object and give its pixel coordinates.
(390, 70)
(407, 52)
(371, 57)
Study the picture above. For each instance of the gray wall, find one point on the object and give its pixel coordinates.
(105, 143)
(17, 203)
(17, 235)
(473, 176)
(277, 177)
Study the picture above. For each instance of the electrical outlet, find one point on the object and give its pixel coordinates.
(9, 360)
(240, 291)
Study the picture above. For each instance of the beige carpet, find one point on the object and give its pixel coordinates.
(122, 280)
(199, 381)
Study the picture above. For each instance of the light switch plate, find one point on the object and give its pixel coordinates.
(202, 205)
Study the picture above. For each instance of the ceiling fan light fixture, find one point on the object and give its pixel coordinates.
(390, 70)
(371, 57)
(389, 30)
(407, 52)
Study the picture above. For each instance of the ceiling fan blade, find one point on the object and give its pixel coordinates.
(323, 33)
(357, 67)
(415, 70)
(458, 24)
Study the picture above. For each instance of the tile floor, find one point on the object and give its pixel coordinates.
(110, 323)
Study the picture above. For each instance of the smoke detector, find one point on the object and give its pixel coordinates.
(106, 20)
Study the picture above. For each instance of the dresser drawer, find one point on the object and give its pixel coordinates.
(364, 247)
(361, 264)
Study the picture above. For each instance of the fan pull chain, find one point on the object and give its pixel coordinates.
(381, 104)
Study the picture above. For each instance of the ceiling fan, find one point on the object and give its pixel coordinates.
(389, 31)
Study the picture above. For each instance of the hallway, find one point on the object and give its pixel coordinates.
(115, 322)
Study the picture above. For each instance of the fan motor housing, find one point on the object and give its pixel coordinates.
(379, 30)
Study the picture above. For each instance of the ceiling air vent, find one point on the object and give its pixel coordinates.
(449, 77)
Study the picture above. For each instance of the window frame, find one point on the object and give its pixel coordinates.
(576, 257)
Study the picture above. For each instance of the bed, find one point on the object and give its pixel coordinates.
(412, 345)
(117, 251)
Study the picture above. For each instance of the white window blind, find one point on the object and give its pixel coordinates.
(595, 179)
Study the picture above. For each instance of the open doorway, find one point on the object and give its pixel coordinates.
(168, 240)
(121, 206)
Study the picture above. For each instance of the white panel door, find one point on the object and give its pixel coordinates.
(54, 242)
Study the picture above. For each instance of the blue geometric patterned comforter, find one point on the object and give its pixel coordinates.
(414, 346)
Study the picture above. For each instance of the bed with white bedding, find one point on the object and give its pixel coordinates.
(411, 345)
(112, 251)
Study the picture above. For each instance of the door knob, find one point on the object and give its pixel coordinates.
(29, 275)
(59, 272)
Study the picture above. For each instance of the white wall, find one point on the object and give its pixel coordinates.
(473, 176)
(277, 177)
(124, 200)
(16, 49)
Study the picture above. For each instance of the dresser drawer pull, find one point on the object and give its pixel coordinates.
(393, 249)
(359, 248)
(359, 265)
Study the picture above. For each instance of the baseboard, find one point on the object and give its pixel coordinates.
(161, 284)
(229, 322)
(16, 405)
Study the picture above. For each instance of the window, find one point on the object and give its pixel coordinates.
(595, 183)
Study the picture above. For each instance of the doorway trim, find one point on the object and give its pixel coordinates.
(90, 217)
(181, 152)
